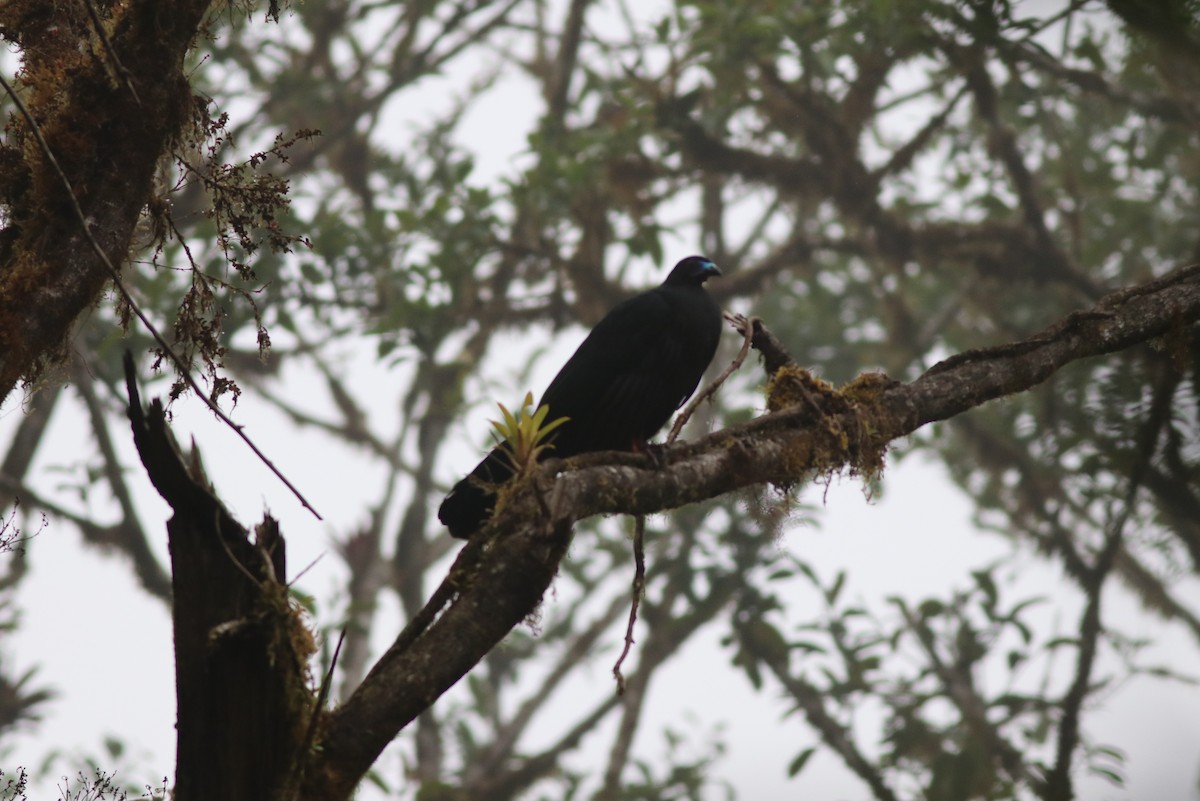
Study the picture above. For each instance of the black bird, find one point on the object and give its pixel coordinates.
(637, 366)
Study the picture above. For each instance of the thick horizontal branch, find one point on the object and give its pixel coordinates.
(1118, 321)
(502, 573)
(783, 447)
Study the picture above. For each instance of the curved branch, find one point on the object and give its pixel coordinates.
(517, 555)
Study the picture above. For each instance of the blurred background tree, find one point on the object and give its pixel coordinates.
(885, 183)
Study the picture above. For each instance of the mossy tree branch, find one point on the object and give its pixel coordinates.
(243, 703)
(107, 140)
(501, 575)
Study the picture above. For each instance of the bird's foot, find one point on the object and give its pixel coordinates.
(656, 452)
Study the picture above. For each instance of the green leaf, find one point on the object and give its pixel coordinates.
(797, 764)
(931, 608)
(831, 595)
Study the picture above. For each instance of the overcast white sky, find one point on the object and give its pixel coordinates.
(106, 647)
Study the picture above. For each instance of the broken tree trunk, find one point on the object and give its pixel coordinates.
(245, 707)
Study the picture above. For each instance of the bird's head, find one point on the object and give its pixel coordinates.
(694, 270)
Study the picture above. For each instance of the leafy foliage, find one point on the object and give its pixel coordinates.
(884, 183)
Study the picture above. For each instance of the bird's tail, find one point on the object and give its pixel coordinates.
(469, 504)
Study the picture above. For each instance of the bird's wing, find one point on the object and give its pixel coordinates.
(626, 378)
(612, 348)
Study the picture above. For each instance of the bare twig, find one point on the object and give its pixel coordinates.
(639, 588)
(245, 571)
(310, 733)
(92, 531)
(184, 369)
(307, 568)
(736, 321)
(639, 533)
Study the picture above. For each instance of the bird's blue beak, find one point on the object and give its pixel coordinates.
(710, 268)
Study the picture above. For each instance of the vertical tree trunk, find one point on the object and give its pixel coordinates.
(244, 704)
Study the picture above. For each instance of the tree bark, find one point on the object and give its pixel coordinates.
(107, 115)
(244, 708)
